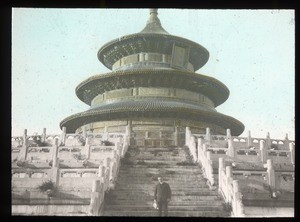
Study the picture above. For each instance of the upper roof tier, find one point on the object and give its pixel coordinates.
(153, 39)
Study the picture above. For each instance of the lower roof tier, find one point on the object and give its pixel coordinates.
(148, 109)
(87, 90)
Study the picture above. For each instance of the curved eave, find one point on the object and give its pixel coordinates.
(75, 121)
(198, 54)
(206, 85)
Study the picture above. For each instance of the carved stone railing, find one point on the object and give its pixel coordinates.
(206, 149)
(230, 189)
(258, 151)
(25, 173)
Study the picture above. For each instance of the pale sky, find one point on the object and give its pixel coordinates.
(251, 52)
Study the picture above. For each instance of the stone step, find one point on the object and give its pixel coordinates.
(150, 149)
(179, 169)
(151, 187)
(171, 203)
(176, 198)
(150, 190)
(142, 183)
(150, 158)
(167, 176)
(154, 213)
(170, 208)
(200, 192)
(160, 166)
(157, 153)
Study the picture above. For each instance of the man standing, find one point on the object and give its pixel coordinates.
(162, 195)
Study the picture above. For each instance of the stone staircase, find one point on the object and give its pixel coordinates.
(133, 194)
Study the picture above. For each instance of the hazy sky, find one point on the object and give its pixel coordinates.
(251, 52)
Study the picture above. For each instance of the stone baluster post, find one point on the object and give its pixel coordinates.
(109, 168)
(101, 175)
(228, 182)
(238, 206)
(141, 57)
(208, 135)
(208, 155)
(105, 135)
(87, 148)
(176, 136)
(84, 133)
(249, 139)
(204, 148)
(292, 150)
(44, 135)
(221, 170)
(24, 149)
(228, 134)
(117, 146)
(128, 133)
(209, 169)
(199, 147)
(55, 163)
(95, 202)
(268, 141)
(63, 136)
(271, 174)
(187, 136)
(231, 149)
(193, 148)
(286, 142)
(263, 151)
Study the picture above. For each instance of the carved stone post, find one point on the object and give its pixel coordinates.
(221, 170)
(84, 133)
(63, 136)
(44, 135)
(292, 150)
(102, 176)
(231, 150)
(286, 142)
(268, 140)
(24, 149)
(208, 135)
(193, 148)
(55, 164)
(228, 134)
(109, 168)
(187, 136)
(176, 136)
(238, 206)
(209, 169)
(128, 133)
(55, 153)
(263, 151)
(228, 181)
(249, 139)
(105, 135)
(87, 148)
(199, 147)
(204, 148)
(95, 202)
(208, 155)
(271, 174)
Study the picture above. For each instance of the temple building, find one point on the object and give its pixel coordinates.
(152, 116)
(153, 88)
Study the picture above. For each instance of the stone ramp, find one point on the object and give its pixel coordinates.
(133, 194)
